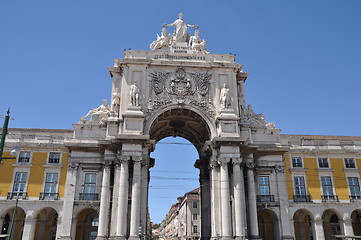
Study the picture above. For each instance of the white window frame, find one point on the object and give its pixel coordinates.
(30, 158)
(354, 162)
(44, 177)
(332, 182)
(194, 216)
(294, 184)
(328, 162)
(349, 187)
(302, 163)
(48, 158)
(269, 185)
(16, 170)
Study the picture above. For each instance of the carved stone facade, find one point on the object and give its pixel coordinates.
(180, 89)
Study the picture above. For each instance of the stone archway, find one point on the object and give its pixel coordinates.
(302, 221)
(46, 224)
(13, 224)
(87, 225)
(331, 223)
(356, 222)
(268, 225)
(181, 122)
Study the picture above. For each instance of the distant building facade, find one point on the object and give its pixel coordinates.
(255, 183)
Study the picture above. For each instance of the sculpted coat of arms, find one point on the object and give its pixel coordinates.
(180, 87)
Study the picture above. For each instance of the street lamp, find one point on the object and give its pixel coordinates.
(3, 136)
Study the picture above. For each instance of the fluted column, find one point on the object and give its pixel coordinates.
(65, 229)
(238, 190)
(121, 230)
(252, 201)
(104, 203)
(225, 199)
(215, 221)
(115, 197)
(144, 197)
(135, 205)
(29, 228)
(320, 234)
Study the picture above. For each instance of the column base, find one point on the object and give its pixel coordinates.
(64, 238)
(287, 237)
(101, 238)
(117, 238)
(134, 238)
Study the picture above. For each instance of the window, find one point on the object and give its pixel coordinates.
(24, 157)
(354, 185)
(54, 157)
(326, 183)
(195, 216)
(195, 229)
(323, 163)
(19, 184)
(195, 205)
(264, 186)
(89, 186)
(350, 163)
(297, 162)
(300, 188)
(51, 182)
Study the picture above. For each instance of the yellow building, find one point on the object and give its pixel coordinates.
(323, 183)
(34, 181)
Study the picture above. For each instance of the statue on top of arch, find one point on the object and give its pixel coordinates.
(180, 35)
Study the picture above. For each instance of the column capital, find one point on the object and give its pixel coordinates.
(279, 169)
(223, 160)
(137, 159)
(236, 161)
(250, 165)
(72, 166)
(107, 164)
(123, 159)
(213, 163)
(30, 220)
(317, 220)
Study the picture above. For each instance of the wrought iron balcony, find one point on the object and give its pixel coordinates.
(17, 195)
(301, 198)
(329, 198)
(355, 198)
(49, 196)
(89, 196)
(265, 198)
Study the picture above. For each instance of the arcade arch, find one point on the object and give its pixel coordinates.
(13, 224)
(331, 223)
(268, 224)
(302, 220)
(46, 224)
(356, 222)
(87, 224)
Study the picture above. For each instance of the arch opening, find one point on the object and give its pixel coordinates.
(183, 123)
(302, 221)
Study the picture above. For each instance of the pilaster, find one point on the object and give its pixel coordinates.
(252, 201)
(135, 204)
(29, 228)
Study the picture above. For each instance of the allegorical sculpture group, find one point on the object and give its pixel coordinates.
(180, 35)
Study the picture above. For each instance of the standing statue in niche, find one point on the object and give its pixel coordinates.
(98, 115)
(134, 95)
(224, 97)
(181, 27)
(163, 40)
(197, 44)
(115, 101)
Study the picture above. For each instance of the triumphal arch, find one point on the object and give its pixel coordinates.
(180, 89)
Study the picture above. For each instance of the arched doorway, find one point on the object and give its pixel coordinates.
(185, 123)
(13, 225)
(331, 225)
(87, 225)
(303, 225)
(46, 224)
(356, 222)
(268, 225)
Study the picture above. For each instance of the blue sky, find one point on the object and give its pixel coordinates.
(303, 57)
